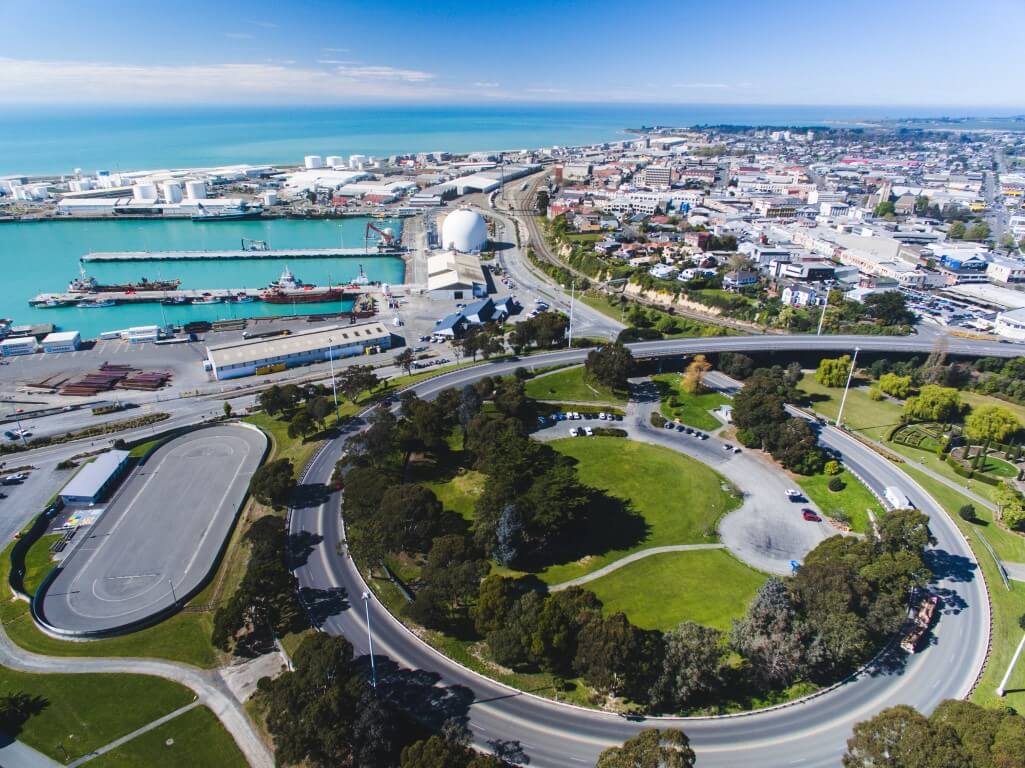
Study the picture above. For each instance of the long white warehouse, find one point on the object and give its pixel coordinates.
(247, 357)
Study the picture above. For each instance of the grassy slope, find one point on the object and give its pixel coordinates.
(38, 562)
(198, 741)
(689, 409)
(571, 385)
(1008, 605)
(855, 499)
(678, 498)
(84, 712)
(709, 586)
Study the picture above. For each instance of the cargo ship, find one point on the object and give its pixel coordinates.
(85, 284)
(289, 289)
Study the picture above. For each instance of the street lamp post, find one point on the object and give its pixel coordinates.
(1010, 668)
(331, 360)
(850, 375)
(572, 301)
(370, 639)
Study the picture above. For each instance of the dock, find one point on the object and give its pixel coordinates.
(273, 253)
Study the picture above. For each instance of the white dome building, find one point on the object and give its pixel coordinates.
(464, 231)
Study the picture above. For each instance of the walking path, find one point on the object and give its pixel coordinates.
(129, 736)
(632, 558)
(17, 753)
(208, 686)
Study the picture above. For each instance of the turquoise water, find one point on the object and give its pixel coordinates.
(43, 257)
(46, 140)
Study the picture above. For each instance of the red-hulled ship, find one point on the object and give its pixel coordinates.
(289, 289)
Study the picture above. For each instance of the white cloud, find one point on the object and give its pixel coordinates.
(334, 61)
(711, 86)
(32, 81)
(480, 84)
(239, 35)
(549, 91)
(264, 24)
(335, 50)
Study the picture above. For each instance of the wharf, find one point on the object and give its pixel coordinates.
(274, 253)
(147, 297)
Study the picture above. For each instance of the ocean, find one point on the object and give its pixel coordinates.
(40, 257)
(57, 141)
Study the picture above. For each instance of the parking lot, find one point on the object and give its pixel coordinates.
(159, 536)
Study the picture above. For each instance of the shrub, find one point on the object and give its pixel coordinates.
(658, 420)
(833, 467)
(836, 484)
(874, 393)
(967, 512)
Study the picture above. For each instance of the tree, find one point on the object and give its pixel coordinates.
(651, 748)
(610, 365)
(613, 655)
(356, 379)
(956, 231)
(902, 738)
(273, 400)
(272, 483)
(895, 386)
(439, 752)
(773, 637)
(301, 425)
(495, 599)
(736, 364)
(693, 378)
(833, 372)
(319, 408)
(991, 423)
(558, 627)
(889, 308)
(692, 668)
(408, 518)
(993, 738)
(933, 403)
(884, 208)
(977, 232)
(227, 409)
(404, 360)
(967, 512)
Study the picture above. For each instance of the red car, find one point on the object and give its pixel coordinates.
(810, 516)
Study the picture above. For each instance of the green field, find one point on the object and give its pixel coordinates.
(83, 712)
(197, 738)
(707, 586)
(855, 499)
(670, 499)
(1008, 604)
(874, 418)
(571, 384)
(685, 407)
(38, 562)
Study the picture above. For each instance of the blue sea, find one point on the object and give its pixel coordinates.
(57, 141)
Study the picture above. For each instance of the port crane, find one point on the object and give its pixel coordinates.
(386, 235)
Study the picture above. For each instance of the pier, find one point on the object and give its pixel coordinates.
(274, 253)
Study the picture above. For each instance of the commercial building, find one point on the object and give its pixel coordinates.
(1011, 325)
(245, 358)
(64, 341)
(95, 479)
(21, 345)
(454, 275)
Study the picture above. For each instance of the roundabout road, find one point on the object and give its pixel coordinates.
(809, 733)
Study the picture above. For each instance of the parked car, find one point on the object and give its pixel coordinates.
(669, 425)
(792, 493)
(573, 431)
(588, 431)
(810, 516)
(727, 447)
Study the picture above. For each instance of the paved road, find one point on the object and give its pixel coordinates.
(631, 558)
(811, 733)
(160, 534)
(208, 687)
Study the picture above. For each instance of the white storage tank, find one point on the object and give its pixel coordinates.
(335, 161)
(313, 161)
(172, 191)
(356, 161)
(464, 230)
(195, 190)
(145, 190)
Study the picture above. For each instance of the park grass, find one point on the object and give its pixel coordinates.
(976, 400)
(572, 385)
(198, 740)
(686, 408)
(669, 499)
(460, 492)
(874, 418)
(710, 587)
(85, 711)
(1008, 604)
(39, 562)
(855, 499)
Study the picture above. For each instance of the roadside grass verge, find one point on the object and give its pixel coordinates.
(86, 711)
(854, 500)
(710, 587)
(686, 408)
(572, 384)
(195, 738)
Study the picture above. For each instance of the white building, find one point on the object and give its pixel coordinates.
(465, 231)
(455, 275)
(1002, 270)
(22, 345)
(657, 176)
(1011, 325)
(63, 341)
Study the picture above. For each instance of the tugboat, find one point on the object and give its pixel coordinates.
(289, 289)
(176, 301)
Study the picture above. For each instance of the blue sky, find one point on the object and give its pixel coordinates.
(859, 52)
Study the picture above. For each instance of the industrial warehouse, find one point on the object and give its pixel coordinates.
(251, 356)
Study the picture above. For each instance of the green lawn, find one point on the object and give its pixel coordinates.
(855, 499)
(83, 712)
(670, 498)
(687, 408)
(874, 418)
(975, 399)
(460, 492)
(1008, 605)
(38, 562)
(197, 739)
(571, 384)
(707, 586)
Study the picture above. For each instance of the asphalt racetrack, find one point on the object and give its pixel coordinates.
(159, 536)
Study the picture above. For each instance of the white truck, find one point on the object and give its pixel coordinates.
(897, 498)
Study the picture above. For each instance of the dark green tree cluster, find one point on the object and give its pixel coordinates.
(565, 633)
(958, 734)
(736, 364)
(546, 330)
(439, 752)
(763, 422)
(264, 605)
(273, 483)
(1001, 377)
(651, 748)
(485, 341)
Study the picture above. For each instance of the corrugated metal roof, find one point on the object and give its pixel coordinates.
(90, 479)
(251, 350)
